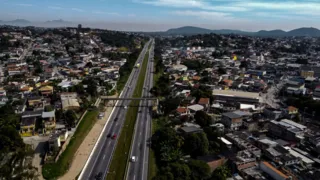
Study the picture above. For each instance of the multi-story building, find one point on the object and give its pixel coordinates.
(49, 121)
(286, 129)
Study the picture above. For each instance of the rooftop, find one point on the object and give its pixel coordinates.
(236, 94)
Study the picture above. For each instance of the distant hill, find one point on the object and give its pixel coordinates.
(16, 22)
(314, 32)
(51, 23)
(271, 33)
(190, 30)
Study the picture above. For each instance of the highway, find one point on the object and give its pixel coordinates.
(138, 170)
(101, 156)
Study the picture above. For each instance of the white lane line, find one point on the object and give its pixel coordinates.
(104, 156)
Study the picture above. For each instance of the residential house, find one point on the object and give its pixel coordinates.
(273, 171)
(205, 102)
(70, 104)
(48, 121)
(28, 126)
(182, 111)
(271, 113)
(316, 93)
(35, 102)
(28, 122)
(232, 121)
(244, 159)
(3, 92)
(194, 108)
(190, 130)
(57, 139)
(46, 90)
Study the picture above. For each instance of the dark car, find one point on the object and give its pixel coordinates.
(115, 119)
(98, 176)
(109, 135)
(114, 136)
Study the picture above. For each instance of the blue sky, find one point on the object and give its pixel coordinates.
(163, 14)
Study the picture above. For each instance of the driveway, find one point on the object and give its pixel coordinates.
(38, 144)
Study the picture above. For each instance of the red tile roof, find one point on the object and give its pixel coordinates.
(203, 101)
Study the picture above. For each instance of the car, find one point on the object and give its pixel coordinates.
(114, 136)
(115, 119)
(98, 176)
(140, 111)
(125, 107)
(133, 159)
(109, 135)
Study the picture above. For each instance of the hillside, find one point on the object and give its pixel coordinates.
(190, 30)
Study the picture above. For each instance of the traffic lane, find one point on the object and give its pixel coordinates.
(138, 133)
(140, 143)
(133, 166)
(134, 151)
(109, 129)
(104, 153)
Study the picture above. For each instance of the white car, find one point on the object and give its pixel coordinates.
(125, 107)
(133, 159)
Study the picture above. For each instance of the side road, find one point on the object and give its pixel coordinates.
(86, 147)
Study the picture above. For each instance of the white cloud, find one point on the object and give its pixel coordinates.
(132, 15)
(77, 9)
(109, 13)
(197, 4)
(203, 14)
(287, 5)
(26, 5)
(55, 7)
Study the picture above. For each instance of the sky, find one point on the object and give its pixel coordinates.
(160, 15)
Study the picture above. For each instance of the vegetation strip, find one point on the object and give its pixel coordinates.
(57, 169)
(119, 161)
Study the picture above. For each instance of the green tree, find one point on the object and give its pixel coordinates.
(199, 169)
(221, 173)
(170, 104)
(70, 118)
(203, 119)
(180, 171)
(196, 144)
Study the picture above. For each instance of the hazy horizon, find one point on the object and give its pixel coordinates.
(160, 15)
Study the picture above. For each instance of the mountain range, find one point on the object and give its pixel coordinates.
(190, 30)
(52, 23)
(186, 30)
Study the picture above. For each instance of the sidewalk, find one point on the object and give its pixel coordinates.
(81, 156)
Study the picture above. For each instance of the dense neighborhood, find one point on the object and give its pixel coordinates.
(230, 106)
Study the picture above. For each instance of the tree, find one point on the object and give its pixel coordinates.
(221, 173)
(244, 64)
(199, 169)
(297, 118)
(196, 144)
(180, 171)
(13, 151)
(70, 118)
(170, 104)
(203, 119)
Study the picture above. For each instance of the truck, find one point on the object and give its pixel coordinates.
(137, 65)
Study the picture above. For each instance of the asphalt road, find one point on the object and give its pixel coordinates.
(101, 156)
(138, 170)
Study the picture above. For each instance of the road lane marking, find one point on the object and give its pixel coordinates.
(104, 156)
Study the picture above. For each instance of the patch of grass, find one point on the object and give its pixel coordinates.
(55, 170)
(118, 165)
